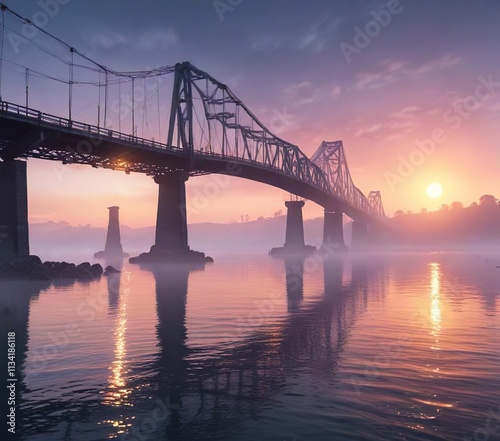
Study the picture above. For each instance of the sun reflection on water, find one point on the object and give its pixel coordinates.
(435, 312)
(118, 392)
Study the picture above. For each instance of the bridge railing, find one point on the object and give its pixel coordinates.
(35, 116)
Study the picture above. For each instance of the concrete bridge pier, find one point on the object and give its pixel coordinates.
(171, 241)
(333, 232)
(171, 217)
(294, 236)
(360, 237)
(14, 238)
(113, 248)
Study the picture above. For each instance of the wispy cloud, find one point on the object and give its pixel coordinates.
(305, 92)
(369, 130)
(435, 65)
(336, 91)
(148, 40)
(494, 107)
(264, 43)
(405, 113)
(315, 39)
(390, 71)
(319, 35)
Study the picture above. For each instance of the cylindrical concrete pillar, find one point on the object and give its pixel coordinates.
(294, 225)
(171, 220)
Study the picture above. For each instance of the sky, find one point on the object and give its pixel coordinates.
(410, 87)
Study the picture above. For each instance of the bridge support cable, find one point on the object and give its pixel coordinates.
(70, 83)
(2, 38)
(105, 99)
(133, 106)
(27, 77)
(158, 106)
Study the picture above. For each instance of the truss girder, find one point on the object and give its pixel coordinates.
(331, 159)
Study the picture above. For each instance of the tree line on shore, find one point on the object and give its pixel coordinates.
(477, 224)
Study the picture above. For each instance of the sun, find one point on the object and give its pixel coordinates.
(434, 190)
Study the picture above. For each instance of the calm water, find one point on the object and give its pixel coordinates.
(402, 346)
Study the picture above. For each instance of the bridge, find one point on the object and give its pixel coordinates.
(204, 128)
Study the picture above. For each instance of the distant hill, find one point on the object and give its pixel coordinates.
(50, 239)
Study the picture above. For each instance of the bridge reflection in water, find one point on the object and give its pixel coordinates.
(214, 394)
(183, 392)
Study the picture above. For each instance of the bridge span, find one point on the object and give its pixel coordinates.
(208, 130)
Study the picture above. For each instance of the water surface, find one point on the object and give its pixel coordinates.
(386, 346)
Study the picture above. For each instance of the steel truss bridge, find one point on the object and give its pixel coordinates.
(208, 130)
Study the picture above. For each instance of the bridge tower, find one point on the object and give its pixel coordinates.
(14, 239)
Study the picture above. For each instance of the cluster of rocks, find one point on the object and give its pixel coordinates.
(32, 268)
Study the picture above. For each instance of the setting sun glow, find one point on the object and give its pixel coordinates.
(434, 190)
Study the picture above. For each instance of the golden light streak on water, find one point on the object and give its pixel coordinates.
(435, 310)
(117, 394)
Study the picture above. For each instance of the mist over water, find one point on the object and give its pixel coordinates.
(375, 347)
(50, 240)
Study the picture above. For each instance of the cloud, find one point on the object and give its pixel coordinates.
(265, 43)
(369, 130)
(405, 113)
(494, 107)
(305, 92)
(315, 39)
(389, 71)
(317, 36)
(336, 91)
(435, 65)
(148, 40)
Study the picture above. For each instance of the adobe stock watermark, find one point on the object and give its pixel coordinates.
(218, 183)
(388, 355)
(293, 279)
(280, 121)
(484, 433)
(48, 10)
(224, 6)
(454, 117)
(142, 430)
(372, 29)
(86, 312)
